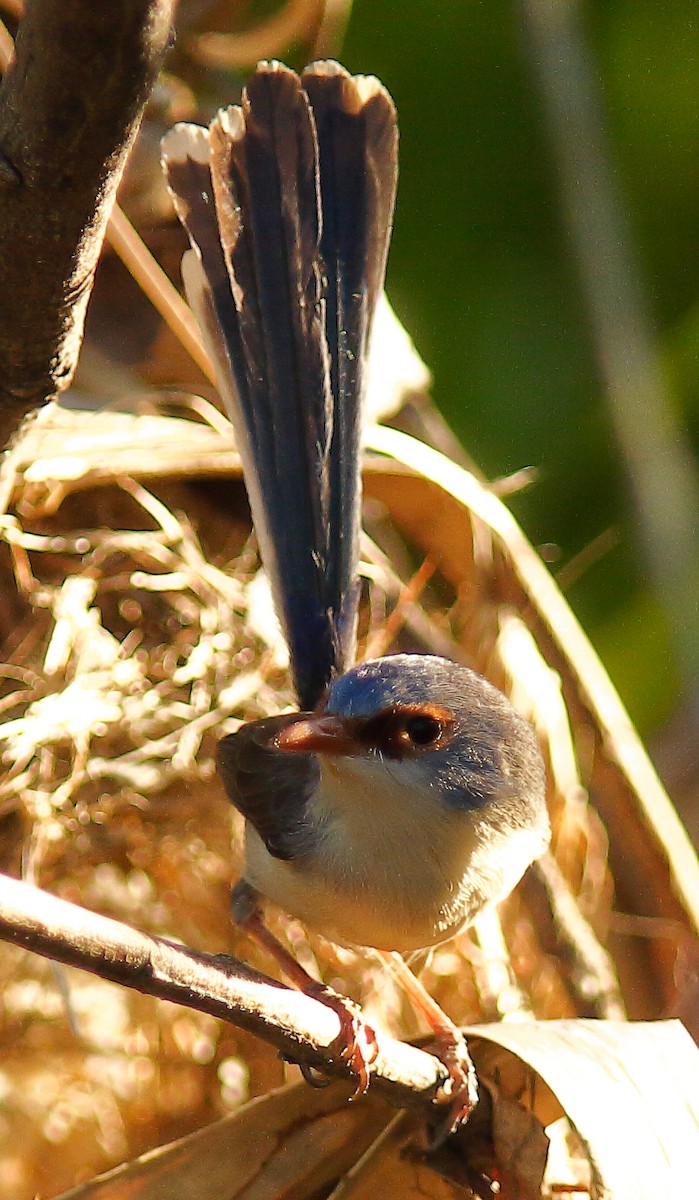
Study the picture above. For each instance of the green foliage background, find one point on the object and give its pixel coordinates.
(482, 274)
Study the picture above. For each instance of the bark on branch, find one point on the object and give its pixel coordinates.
(301, 1028)
(70, 107)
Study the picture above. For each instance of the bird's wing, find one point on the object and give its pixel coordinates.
(268, 787)
(288, 202)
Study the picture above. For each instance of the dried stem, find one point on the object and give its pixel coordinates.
(154, 283)
(301, 1028)
(70, 106)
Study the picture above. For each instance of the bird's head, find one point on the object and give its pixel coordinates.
(437, 727)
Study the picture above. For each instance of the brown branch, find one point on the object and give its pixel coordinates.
(301, 1028)
(70, 106)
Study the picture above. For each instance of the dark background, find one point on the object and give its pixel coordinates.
(483, 274)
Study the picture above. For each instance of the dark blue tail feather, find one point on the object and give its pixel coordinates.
(303, 178)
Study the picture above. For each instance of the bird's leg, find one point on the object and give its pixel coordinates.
(356, 1043)
(460, 1091)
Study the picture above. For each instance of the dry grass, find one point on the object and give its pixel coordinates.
(130, 652)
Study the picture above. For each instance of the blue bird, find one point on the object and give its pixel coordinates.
(409, 794)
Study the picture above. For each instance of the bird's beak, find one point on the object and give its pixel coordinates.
(321, 735)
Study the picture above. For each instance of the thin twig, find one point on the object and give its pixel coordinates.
(296, 22)
(301, 1028)
(410, 593)
(153, 281)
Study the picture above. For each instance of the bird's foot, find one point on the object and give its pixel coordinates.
(459, 1093)
(356, 1044)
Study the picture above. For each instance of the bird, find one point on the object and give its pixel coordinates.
(407, 794)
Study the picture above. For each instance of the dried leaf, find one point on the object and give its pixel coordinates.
(291, 1142)
(630, 1090)
(394, 1165)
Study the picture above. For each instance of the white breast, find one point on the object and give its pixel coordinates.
(394, 867)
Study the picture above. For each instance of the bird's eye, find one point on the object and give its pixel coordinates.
(423, 730)
(408, 729)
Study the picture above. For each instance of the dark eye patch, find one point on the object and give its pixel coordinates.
(407, 730)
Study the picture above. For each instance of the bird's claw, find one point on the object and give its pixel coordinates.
(459, 1092)
(356, 1044)
(315, 1079)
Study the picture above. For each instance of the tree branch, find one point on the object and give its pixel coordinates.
(301, 1028)
(70, 106)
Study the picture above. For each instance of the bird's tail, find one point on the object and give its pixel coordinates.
(288, 203)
